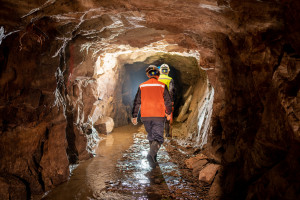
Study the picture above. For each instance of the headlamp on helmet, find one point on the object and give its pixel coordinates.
(164, 69)
(152, 70)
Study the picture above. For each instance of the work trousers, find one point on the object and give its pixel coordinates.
(155, 130)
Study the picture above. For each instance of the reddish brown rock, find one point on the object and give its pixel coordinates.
(80, 143)
(104, 125)
(12, 188)
(191, 161)
(24, 143)
(198, 166)
(215, 191)
(55, 152)
(207, 174)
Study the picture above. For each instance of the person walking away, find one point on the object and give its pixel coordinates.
(166, 79)
(154, 102)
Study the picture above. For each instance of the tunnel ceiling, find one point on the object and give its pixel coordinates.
(98, 24)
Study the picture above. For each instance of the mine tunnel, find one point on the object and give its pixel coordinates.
(69, 71)
(185, 78)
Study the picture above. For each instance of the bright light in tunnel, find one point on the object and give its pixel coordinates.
(98, 69)
(105, 64)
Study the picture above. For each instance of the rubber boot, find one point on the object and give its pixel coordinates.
(152, 155)
(167, 129)
(156, 148)
(155, 157)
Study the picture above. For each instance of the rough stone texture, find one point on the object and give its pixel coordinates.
(249, 48)
(20, 151)
(207, 174)
(215, 191)
(198, 166)
(54, 151)
(12, 188)
(191, 161)
(104, 125)
(33, 152)
(80, 144)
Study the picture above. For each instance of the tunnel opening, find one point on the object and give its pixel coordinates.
(193, 92)
(135, 75)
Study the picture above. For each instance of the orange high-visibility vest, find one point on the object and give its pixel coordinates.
(152, 98)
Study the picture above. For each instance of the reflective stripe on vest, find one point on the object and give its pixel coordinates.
(152, 98)
(165, 79)
(149, 85)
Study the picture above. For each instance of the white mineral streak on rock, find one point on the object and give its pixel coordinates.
(116, 28)
(211, 7)
(62, 18)
(117, 22)
(49, 2)
(206, 69)
(59, 98)
(133, 20)
(3, 35)
(72, 167)
(78, 115)
(62, 48)
(204, 117)
(66, 19)
(92, 138)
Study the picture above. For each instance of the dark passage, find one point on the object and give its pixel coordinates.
(134, 75)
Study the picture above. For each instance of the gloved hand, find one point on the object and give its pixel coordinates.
(168, 117)
(134, 121)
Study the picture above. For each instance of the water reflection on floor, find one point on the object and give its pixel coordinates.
(120, 171)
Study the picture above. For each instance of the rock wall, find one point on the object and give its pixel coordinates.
(37, 141)
(256, 117)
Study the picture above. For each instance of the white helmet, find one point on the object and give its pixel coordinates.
(164, 69)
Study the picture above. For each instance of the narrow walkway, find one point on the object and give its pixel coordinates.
(121, 171)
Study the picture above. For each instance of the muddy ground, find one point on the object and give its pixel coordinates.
(121, 171)
(170, 180)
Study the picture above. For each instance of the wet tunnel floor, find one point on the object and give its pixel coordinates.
(121, 171)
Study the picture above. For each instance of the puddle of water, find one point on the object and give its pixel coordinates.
(90, 176)
(139, 180)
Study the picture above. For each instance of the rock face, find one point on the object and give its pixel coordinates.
(62, 67)
(251, 115)
(104, 125)
(208, 173)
